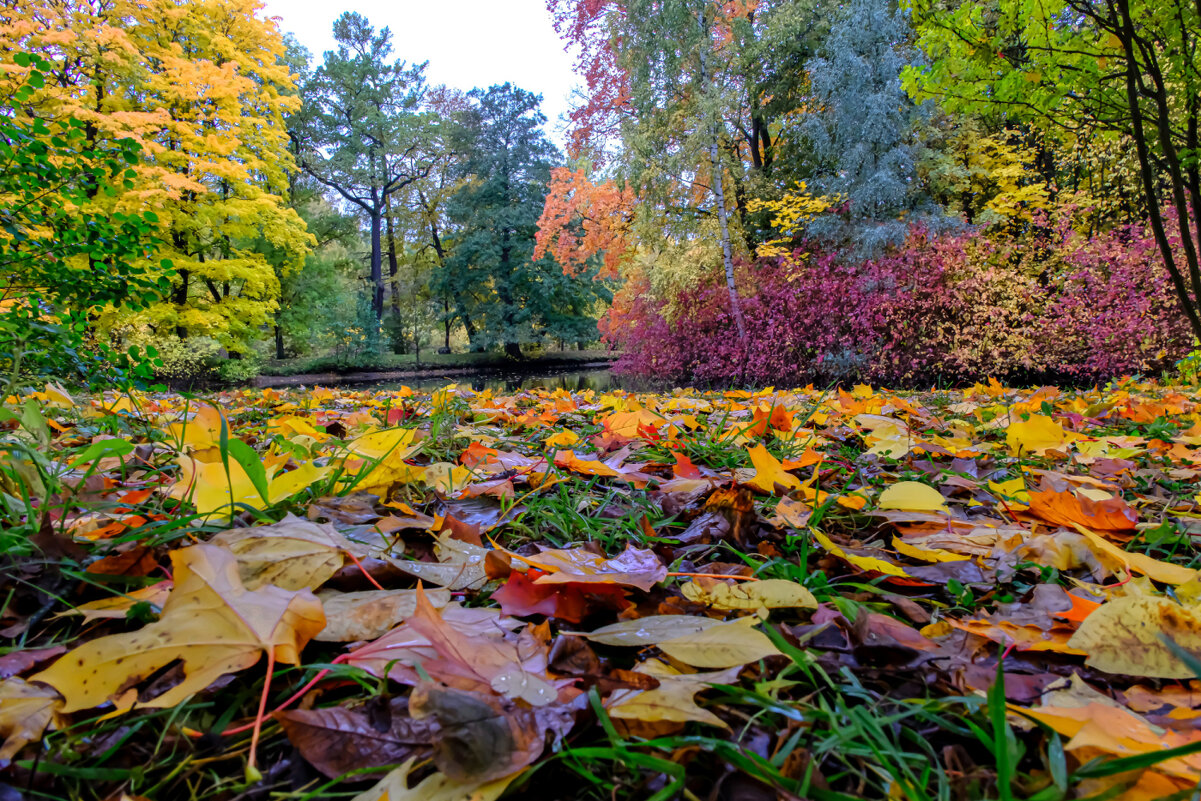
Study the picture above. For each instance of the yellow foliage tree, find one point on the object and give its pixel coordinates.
(202, 85)
(789, 215)
(987, 179)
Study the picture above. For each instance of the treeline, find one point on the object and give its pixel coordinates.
(269, 203)
(797, 190)
(209, 194)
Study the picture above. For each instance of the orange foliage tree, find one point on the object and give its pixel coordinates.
(582, 220)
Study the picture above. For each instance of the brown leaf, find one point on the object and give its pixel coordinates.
(336, 740)
(482, 736)
(16, 662)
(137, 561)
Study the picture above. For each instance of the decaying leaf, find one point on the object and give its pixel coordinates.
(353, 616)
(749, 595)
(336, 740)
(1125, 635)
(482, 737)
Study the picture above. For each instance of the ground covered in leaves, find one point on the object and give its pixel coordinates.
(988, 593)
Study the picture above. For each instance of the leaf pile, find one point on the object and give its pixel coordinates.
(986, 593)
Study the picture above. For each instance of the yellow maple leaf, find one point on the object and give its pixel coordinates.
(210, 622)
(769, 473)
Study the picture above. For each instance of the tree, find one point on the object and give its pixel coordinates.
(862, 130)
(59, 263)
(421, 215)
(203, 88)
(361, 132)
(1130, 69)
(513, 298)
(318, 301)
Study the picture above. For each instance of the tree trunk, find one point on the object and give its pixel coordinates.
(727, 256)
(377, 264)
(446, 322)
(1147, 173)
(279, 342)
(513, 350)
(719, 195)
(393, 267)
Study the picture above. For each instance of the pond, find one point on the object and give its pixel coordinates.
(598, 379)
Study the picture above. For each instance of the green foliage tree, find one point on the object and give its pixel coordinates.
(60, 261)
(512, 298)
(1129, 69)
(863, 130)
(361, 132)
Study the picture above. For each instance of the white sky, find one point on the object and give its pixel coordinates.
(468, 43)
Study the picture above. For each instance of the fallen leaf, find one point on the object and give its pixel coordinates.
(1123, 636)
(650, 630)
(1073, 508)
(912, 496)
(749, 595)
(633, 567)
(483, 737)
(460, 565)
(435, 787)
(26, 710)
(293, 554)
(722, 646)
(336, 740)
(210, 622)
(1036, 435)
(770, 477)
(673, 700)
(354, 616)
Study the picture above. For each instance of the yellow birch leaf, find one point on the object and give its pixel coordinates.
(912, 496)
(722, 646)
(1123, 636)
(749, 595)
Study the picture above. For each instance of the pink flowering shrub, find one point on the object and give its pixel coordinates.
(1048, 306)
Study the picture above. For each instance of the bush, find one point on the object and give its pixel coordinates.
(1048, 305)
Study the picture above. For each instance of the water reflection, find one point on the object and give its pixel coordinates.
(506, 383)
